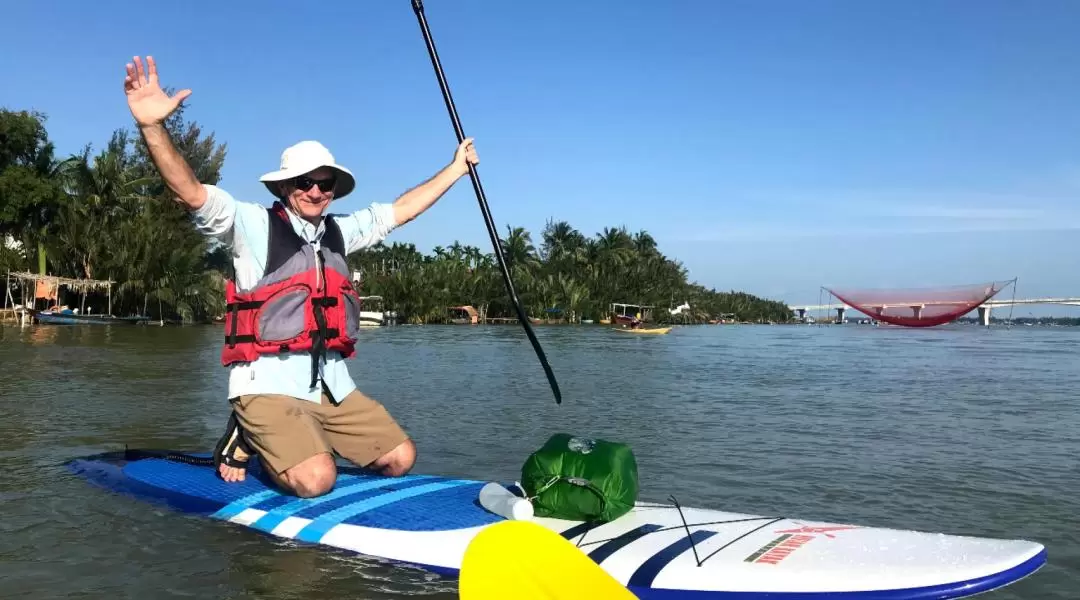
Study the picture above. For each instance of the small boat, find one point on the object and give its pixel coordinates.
(463, 315)
(652, 330)
(69, 317)
(372, 313)
(630, 318)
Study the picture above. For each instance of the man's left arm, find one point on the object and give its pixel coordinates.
(369, 226)
(420, 198)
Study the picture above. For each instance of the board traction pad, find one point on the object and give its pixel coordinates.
(452, 506)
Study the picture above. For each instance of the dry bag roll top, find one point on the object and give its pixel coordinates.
(581, 479)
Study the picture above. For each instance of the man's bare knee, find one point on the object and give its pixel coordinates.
(312, 477)
(398, 461)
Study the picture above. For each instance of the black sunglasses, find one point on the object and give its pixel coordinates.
(304, 183)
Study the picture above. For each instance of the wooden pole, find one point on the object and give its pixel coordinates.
(110, 298)
(22, 318)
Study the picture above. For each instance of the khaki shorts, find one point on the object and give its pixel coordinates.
(286, 431)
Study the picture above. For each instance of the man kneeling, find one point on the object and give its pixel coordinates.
(292, 314)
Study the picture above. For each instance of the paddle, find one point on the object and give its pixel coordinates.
(526, 561)
(418, 8)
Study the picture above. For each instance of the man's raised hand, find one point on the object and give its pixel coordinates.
(149, 104)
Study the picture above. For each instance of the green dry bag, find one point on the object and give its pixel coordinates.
(581, 479)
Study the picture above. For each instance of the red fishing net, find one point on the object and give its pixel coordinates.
(919, 307)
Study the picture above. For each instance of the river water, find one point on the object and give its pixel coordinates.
(961, 429)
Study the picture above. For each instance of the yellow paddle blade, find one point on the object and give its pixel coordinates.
(526, 561)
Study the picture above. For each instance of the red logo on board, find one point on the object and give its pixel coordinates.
(825, 531)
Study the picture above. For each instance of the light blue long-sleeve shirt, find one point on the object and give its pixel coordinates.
(244, 228)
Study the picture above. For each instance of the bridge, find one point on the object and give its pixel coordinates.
(984, 308)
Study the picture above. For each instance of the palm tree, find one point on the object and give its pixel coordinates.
(518, 250)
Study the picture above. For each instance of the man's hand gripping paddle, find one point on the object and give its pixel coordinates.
(526, 561)
(418, 8)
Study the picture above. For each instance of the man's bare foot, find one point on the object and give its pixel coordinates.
(232, 452)
(233, 474)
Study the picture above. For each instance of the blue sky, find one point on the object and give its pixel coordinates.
(772, 147)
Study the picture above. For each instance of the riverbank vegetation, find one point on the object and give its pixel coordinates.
(106, 214)
(562, 276)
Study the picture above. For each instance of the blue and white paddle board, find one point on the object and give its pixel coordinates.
(656, 550)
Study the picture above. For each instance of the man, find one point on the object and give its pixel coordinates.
(292, 312)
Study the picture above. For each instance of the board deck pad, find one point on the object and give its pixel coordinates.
(657, 550)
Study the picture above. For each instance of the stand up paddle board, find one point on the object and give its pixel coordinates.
(657, 550)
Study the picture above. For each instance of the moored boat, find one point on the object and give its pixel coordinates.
(69, 317)
(372, 312)
(645, 330)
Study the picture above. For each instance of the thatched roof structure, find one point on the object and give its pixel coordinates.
(83, 285)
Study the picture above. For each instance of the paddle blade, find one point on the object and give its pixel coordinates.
(525, 561)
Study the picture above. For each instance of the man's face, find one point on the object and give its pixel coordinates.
(305, 195)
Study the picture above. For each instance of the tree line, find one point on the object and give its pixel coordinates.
(108, 215)
(568, 276)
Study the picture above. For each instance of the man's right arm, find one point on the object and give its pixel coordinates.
(150, 106)
(174, 169)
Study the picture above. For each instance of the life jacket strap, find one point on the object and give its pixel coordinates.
(318, 337)
(250, 305)
(251, 339)
(232, 340)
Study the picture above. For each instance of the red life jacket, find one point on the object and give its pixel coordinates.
(304, 302)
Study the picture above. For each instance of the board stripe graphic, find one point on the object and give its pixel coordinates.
(578, 529)
(268, 496)
(313, 531)
(274, 517)
(238, 506)
(647, 572)
(285, 498)
(613, 545)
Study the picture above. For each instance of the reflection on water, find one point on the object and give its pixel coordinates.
(961, 430)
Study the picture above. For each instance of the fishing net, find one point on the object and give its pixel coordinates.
(919, 307)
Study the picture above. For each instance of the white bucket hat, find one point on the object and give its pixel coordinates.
(305, 157)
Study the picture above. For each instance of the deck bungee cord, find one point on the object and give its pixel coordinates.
(647, 530)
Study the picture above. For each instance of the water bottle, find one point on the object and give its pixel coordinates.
(504, 503)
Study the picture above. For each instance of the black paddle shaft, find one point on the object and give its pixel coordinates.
(418, 8)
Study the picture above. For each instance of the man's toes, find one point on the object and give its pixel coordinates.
(231, 474)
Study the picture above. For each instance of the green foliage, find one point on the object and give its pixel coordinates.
(30, 179)
(108, 215)
(570, 276)
(12, 259)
